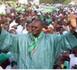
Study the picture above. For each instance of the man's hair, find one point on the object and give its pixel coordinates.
(35, 20)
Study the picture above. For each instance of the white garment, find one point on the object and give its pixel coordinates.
(25, 31)
(19, 29)
(65, 32)
(76, 30)
(1, 68)
(9, 67)
(73, 60)
(12, 24)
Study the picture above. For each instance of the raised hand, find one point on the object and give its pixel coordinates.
(72, 19)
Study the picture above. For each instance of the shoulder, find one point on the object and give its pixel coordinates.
(54, 36)
(22, 37)
(4, 34)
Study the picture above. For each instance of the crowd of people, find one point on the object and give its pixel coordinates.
(18, 20)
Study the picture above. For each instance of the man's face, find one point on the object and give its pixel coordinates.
(6, 26)
(36, 28)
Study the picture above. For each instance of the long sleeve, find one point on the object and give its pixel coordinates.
(8, 42)
(71, 39)
(64, 43)
(5, 40)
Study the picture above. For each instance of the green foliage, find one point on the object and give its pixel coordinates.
(55, 1)
(46, 1)
(66, 1)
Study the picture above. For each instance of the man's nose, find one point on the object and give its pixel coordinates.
(33, 28)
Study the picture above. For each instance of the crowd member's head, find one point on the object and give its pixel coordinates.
(29, 25)
(17, 20)
(37, 26)
(6, 26)
(4, 23)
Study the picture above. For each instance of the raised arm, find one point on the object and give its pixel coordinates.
(71, 37)
(6, 39)
(67, 41)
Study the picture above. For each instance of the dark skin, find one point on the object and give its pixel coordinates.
(2, 22)
(36, 28)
